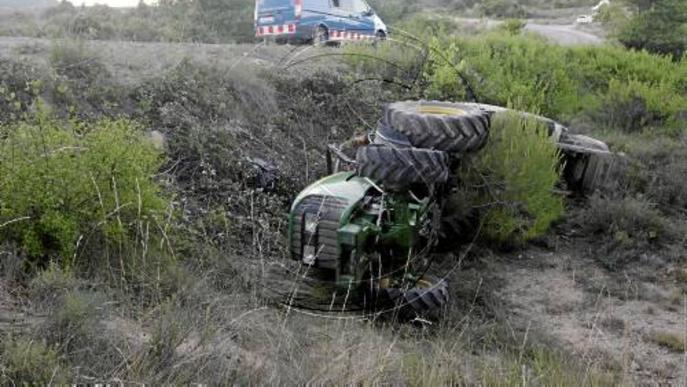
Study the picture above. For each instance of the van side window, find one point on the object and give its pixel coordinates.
(335, 3)
(347, 5)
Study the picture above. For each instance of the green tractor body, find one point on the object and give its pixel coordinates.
(345, 225)
(370, 228)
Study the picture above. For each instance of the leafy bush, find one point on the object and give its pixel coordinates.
(559, 82)
(503, 69)
(513, 26)
(657, 26)
(70, 188)
(633, 105)
(516, 173)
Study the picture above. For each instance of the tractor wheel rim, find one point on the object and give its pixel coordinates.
(441, 110)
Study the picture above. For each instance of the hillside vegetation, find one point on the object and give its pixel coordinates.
(139, 247)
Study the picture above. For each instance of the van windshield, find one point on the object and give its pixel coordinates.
(266, 4)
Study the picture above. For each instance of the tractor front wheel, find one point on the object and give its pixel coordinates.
(426, 298)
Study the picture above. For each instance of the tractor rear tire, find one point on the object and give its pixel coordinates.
(425, 299)
(397, 168)
(445, 126)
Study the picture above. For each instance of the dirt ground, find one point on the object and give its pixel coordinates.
(598, 315)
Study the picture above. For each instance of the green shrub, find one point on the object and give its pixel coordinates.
(517, 172)
(560, 82)
(633, 105)
(503, 69)
(513, 26)
(70, 189)
(658, 26)
(29, 362)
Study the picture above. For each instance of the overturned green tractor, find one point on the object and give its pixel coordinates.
(367, 230)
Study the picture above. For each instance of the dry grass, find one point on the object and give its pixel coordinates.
(671, 341)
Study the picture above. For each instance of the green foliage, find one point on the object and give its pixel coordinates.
(28, 362)
(513, 26)
(658, 26)
(559, 82)
(69, 187)
(634, 105)
(503, 69)
(516, 173)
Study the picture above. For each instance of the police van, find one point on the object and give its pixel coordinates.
(317, 21)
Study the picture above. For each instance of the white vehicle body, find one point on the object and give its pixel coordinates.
(584, 19)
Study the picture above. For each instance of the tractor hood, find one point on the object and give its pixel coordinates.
(344, 185)
(333, 200)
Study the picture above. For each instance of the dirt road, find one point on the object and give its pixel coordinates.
(565, 34)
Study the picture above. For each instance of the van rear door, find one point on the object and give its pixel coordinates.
(274, 17)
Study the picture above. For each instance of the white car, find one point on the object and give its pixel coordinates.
(584, 19)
